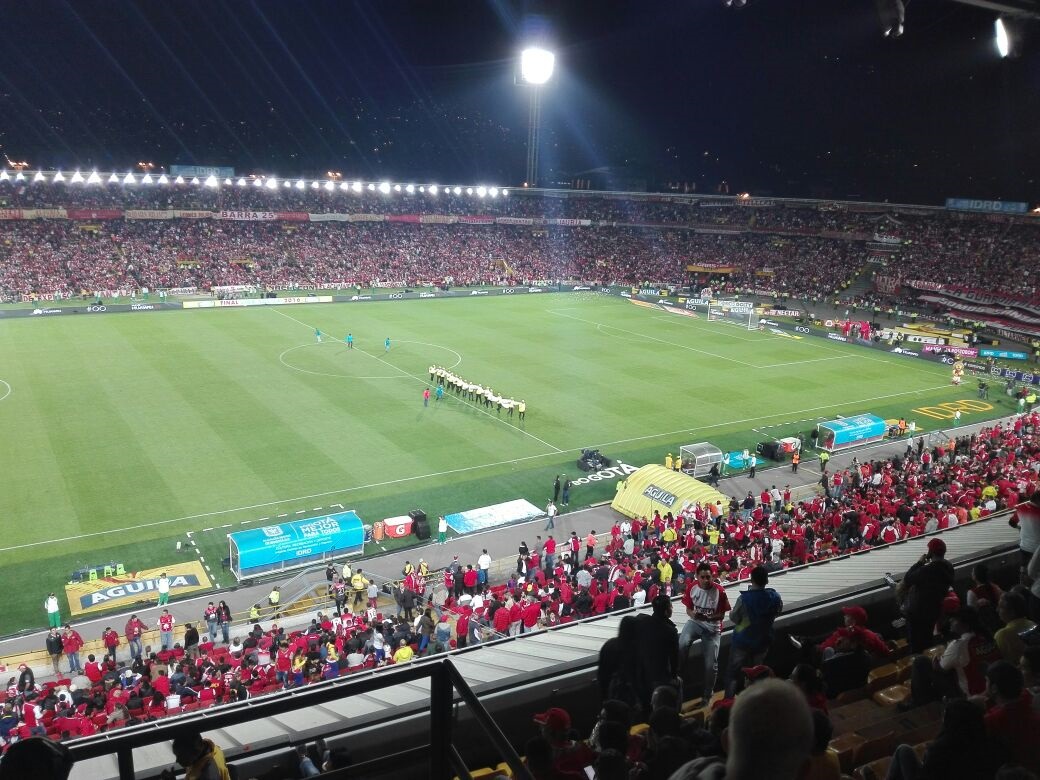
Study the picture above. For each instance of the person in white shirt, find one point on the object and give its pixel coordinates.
(483, 565)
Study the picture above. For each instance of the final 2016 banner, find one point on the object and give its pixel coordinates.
(127, 589)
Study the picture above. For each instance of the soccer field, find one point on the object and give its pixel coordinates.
(122, 432)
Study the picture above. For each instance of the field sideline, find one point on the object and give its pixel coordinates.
(127, 431)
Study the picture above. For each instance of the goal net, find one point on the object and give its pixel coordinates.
(740, 313)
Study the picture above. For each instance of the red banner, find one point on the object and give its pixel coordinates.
(413, 218)
(94, 213)
(11, 214)
(293, 216)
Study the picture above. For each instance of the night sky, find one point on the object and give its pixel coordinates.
(784, 97)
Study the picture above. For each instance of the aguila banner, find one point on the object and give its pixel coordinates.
(124, 590)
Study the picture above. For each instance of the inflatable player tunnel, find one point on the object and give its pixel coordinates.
(654, 487)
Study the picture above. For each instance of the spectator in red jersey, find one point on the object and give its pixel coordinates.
(706, 604)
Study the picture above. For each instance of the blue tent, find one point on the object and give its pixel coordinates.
(288, 545)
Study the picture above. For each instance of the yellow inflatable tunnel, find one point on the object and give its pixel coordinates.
(655, 487)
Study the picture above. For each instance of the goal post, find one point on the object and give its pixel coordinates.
(733, 312)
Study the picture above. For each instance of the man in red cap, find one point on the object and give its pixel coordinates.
(926, 584)
(851, 637)
(568, 754)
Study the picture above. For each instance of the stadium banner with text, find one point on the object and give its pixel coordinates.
(987, 206)
(202, 171)
(248, 216)
(438, 219)
(124, 590)
(291, 544)
(94, 213)
(237, 303)
(149, 214)
(192, 214)
(493, 516)
(12, 214)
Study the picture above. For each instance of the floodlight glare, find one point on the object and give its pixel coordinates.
(493, 192)
(536, 65)
(356, 186)
(329, 186)
(371, 186)
(481, 191)
(344, 186)
(385, 188)
(1003, 42)
(457, 190)
(129, 179)
(58, 177)
(39, 176)
(286, 183)
(211, 181)
(163, 179)
(113, 179)
(94, 178)
(4, 176)
(272, 183)
(226, 181)
(19, 176)
(194, 180)
(410, 189)
(241, 182)
(146, 179)
(1008, 36)
(258, 182)
(77, 177)
(433, 189)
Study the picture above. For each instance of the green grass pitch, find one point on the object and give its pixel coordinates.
(124, 431)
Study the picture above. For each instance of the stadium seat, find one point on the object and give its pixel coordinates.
(120, 571)
(109, 571)
(904, 666)
(92, 575)
(879, 747)
(504, 769)
(845, 747)
(875, 770)
(638, 728)
(882, 677)
(892, 695)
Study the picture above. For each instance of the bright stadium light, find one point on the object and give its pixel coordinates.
(457, 190)
(227, 182)
(19, 176)
(39, 176)
(241, 181)
(536, 65)
(93, 178)
(58, 177)
(397, 188)
(433, 189)
(330, 185)
(258, 182)
(163, 179)
(146, 179)
(179, 180)
(892, 15)
(371, 186)
(211, 181)
(1008, 33)
(469, 190)
(272, 183)
(385, 188)
(315, 184)
(481, 191)
(410, 189)
(195, 180)
(113, 179)
(356, 186)
(344, 186)
(129, 179)
(286, 183)
(504, 193)
(422, 188)
(493, 192)
(4, 176)
(77, 178)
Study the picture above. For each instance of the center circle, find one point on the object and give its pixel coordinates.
(334, 360)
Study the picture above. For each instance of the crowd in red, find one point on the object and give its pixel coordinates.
(796, 251)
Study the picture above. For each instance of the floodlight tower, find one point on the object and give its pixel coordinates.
(536, 68)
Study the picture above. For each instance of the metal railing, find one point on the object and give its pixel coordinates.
(447, 687)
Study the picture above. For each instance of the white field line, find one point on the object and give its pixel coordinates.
(425, 382)
(461, 470)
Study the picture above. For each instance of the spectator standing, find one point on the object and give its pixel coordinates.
(706, 604)
(55, 649)
(50, 604)
(71, 643)
(162, 585)
(753, 614)
(926, 584)
(133, 631)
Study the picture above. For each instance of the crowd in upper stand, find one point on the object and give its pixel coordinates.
(777, 248)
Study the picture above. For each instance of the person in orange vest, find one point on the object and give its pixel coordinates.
(795, 458)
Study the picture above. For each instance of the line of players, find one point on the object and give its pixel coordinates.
(477, 393)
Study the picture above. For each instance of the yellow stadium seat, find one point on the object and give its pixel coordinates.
(92, 575)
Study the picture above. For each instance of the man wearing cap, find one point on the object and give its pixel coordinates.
(926, 584)
(568, 754)
(852, 636)
(753, 614)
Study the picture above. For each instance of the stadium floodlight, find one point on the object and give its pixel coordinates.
(493, 192)
(356, 186)
(241, 181)
(163, 179)
(146, 179)
(536, 65)
(195, 180)
(504, 193)
(1008, 32)
(58, 177)
(481, 191)
(457, 190)
(4, 176)
(371, 186)
(113, 179)
(258, 182)
(93, 178)
(179, 180)
(315, 184)
(330, 186)
(286, 183)
(469, 190)
(77, 178)
(410, 189)
(397, 188)
(211, 181)
(39, 176)
(385, 188)
(129, 179)
(272, 183)
(891, 14)
(19, 176)
(227, 182)
(433, 189)
(344, 186)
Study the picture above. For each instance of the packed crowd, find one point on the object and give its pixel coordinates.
(790, 251)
